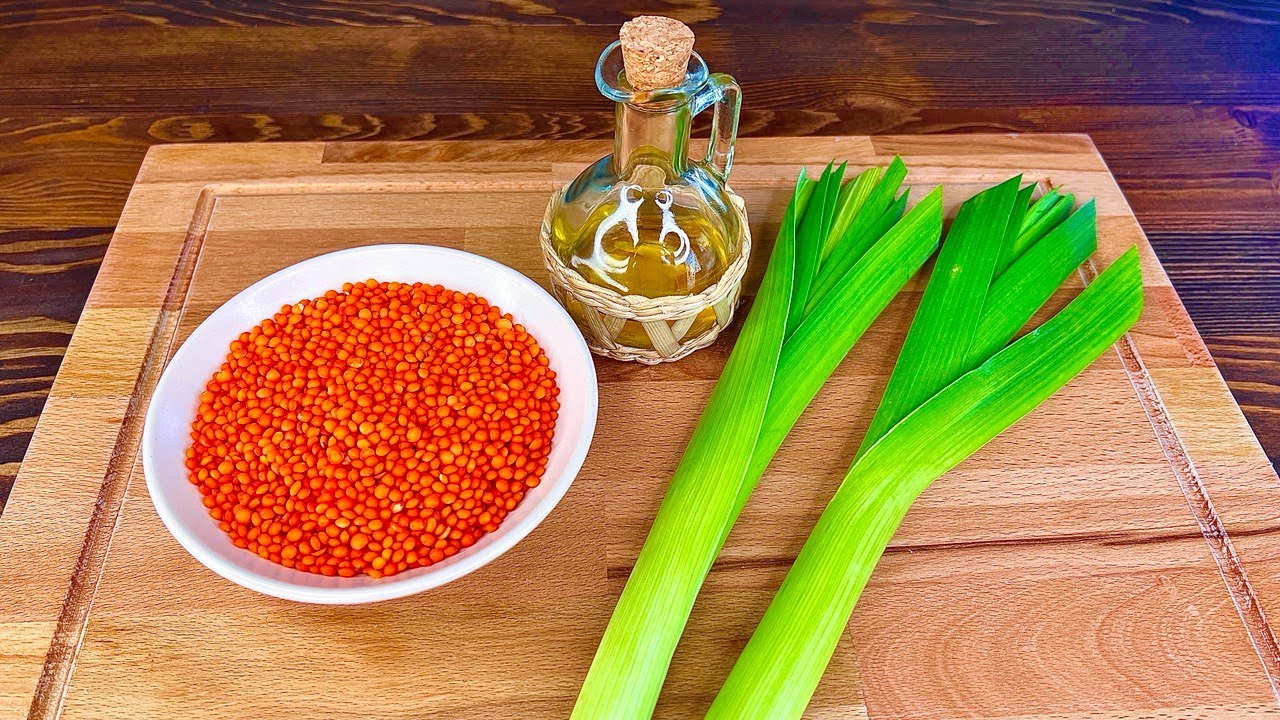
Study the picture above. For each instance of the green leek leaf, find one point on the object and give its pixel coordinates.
(1041, 206)
(1017, 294)
(814, 350)
(1043, 217)
(936, 350)
(877, 202)
(861, 232)
(810, 236)
(849, 254)
(1021, 206)
(852, 197)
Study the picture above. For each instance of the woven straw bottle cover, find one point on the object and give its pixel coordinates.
(656, 53)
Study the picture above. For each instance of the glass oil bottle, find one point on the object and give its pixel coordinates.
(646, 248)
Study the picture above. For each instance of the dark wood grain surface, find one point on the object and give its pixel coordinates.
(1183, 100)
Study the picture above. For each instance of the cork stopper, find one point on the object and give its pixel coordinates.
(655, 51)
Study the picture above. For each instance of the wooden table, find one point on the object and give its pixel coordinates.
(1182, 102)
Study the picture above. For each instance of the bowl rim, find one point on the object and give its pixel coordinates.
(396, 586)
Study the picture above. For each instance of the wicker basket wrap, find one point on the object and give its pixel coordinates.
(602, 312)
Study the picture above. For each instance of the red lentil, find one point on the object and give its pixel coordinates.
(374, 429)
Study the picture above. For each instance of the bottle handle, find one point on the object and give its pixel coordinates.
(722, 91)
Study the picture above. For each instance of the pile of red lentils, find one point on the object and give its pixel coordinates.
(375, 429)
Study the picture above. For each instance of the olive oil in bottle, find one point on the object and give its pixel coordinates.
(646, 248)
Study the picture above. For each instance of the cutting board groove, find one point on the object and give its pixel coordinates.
(74, 617)
(1211, 527)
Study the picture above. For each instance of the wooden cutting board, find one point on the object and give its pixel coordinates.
(1111, 556)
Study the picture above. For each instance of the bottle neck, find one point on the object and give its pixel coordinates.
(651, 136)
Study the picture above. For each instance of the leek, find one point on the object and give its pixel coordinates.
(952, 390)
(843, 252)
(745, 421)
(780, 667)
(650, 614)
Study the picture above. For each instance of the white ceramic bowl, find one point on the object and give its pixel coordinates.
(166, 434)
